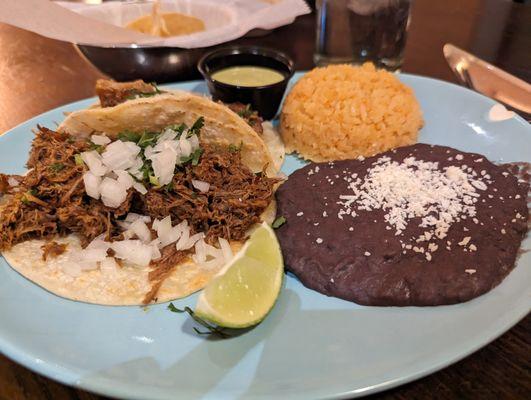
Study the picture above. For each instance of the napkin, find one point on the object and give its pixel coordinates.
(102, 24)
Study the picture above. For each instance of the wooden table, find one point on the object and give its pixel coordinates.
(37, 74)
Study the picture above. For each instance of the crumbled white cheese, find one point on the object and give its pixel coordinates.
(465, 241)
(414, 189)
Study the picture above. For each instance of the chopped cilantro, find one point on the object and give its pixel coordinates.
(184, 160)
(128, 136)
(172, 308)
(56, 167)
(146, 170)
(142, 95)
(78, 159)
(246, 112)
(143, 140)
(177, 128)
(97, 147)
(193, 157)
(277, 223)
(135, 94)
(210, 329)
(196, 155)
(169, 187)
(157, 90)
(196, 127)
(147, 139)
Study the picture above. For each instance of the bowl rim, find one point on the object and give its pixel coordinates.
(247, 49)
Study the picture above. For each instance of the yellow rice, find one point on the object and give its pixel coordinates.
(342, 111)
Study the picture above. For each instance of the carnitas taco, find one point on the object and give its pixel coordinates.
(139, 200)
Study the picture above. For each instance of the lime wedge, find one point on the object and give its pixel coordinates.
(244, 292)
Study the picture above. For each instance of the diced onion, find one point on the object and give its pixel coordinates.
(120, 155)
(133, 251)
(163, 228)
(89, 257)
(182, 243)
(124, 179)
(128, 234)
(194, 239)
(155, 252)
(194, 142)
(148, 152)
(112, 192)
(213, 252)
(100, 140)
(132, 217)
(168, 234)
(139, 188)
(172, 145)
(92, 184)
(94, 162)
(92, 255)
(163, 164)
(132, 148)
(109, 266)
(201, 185)
(99, 243)
(200, 252)
(135, 169)
(168, 134)
(185, 146)
(141, 230)
(225, 249)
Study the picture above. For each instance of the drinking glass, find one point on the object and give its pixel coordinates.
(356, 31)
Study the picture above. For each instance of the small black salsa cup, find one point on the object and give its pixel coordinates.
(264, 99)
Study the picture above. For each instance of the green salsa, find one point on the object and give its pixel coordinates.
(248, 75)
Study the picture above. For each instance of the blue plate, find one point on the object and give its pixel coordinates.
(310, 346)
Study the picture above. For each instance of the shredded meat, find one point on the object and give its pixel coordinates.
(250, 116)
(52, 249)
(21, 220)
(51, 197)
(51, 200)
(235, 200)
(112, 93)
(162, 268)
(4, 184)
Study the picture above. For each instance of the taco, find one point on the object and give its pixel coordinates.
(136, 202)
(140, 106)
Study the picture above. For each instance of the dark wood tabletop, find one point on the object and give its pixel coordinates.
(38, 74)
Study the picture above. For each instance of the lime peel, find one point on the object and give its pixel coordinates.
(246, 289)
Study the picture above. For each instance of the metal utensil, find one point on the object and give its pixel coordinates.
(489, 80)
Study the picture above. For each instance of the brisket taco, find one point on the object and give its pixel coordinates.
(141, 199)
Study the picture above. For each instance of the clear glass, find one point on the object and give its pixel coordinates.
(356, 31)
